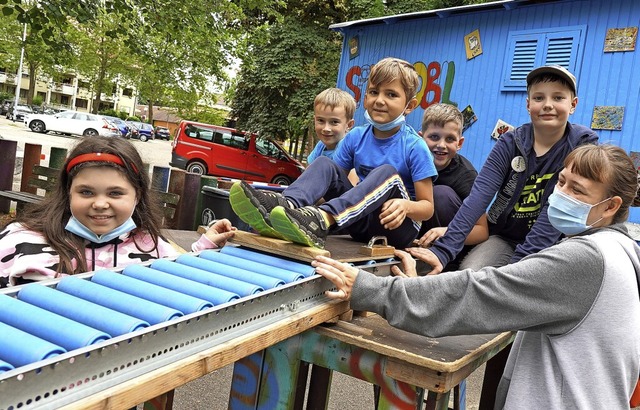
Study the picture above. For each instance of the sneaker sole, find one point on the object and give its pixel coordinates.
(291, 231)
(249, 212)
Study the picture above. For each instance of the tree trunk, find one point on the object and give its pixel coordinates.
(150, 116)
(33, 73)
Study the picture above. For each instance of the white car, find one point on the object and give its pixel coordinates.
(72, 122)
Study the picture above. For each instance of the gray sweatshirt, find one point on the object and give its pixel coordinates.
(575, 305)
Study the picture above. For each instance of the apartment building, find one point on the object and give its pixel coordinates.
(72, 93)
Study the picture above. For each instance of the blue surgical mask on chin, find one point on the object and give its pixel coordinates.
(76, 227)
(388, 126)
(568, 214)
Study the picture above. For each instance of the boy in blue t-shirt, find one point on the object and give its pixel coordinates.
(392, 162)
(333, 112)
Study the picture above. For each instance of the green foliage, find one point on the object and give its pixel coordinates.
(110, 112)
(208, 115)
(132, 118)
(6, 96)
(293, 56)
(37, 101)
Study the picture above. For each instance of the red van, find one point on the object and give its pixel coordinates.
(226, 152)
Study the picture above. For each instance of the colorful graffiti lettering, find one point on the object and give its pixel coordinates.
(431, 89)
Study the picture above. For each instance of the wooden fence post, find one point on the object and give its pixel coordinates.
(32, 153)
(7, 166)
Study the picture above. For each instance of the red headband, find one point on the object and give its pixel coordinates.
(97, 156)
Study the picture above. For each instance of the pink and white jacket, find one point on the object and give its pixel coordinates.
(26, 256)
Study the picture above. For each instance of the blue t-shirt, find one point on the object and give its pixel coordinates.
(405, 150)
(321, 150)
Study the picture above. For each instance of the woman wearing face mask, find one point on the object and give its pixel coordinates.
(101, 215)
(575, 304)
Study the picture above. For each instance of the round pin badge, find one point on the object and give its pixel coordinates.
(518, 164)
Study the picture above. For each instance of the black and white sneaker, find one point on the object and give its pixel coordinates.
(254, 207)
(304, 225)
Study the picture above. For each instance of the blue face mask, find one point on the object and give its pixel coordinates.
(568, 214)
(385, 126)
(74, 226)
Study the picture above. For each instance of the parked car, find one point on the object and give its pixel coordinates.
(4, 107)
(72, 122)
(162, 133)
(226, 152)
(144, 130)
(18, 112)
(122, 126)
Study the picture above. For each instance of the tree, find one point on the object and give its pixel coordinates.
(284, 68)
(294, 56)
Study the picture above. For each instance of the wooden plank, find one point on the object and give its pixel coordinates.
(339, 247)
(50, 173)
(7, 166)
(24, 197)
(444, 354)
(169, 377)
(277, 246)
(32, 153)
(181, 239)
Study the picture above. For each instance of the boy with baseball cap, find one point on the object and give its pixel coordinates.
(520, 173)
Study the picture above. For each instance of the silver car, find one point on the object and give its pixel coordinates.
(18, 112)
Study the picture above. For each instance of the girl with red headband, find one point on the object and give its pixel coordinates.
(101, 215)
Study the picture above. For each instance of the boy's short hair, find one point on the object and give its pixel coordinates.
(335, 97)
(440, 114)
(552, 73)
(390, 68)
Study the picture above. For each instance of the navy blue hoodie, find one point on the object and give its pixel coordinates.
(501, 180)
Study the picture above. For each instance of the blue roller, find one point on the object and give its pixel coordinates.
(167, 297)
(305, 269)
(219, 281)
(287, 276)
(264, 281)
(4, 366)
(186, 286)
(150, 312)
(20, 348)
(80, 310)
(47, 325)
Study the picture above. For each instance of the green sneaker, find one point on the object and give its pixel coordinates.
(304, 225)
(253, 207)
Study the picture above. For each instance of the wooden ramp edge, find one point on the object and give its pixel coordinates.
(277, 246)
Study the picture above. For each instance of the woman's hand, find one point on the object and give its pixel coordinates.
(342, 275)
(220, 232)
(408, 265)
(429, 257)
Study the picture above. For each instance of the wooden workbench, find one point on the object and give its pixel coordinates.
(409, 369)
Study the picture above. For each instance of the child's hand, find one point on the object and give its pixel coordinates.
(431, 236)
(393, 213)
(408, 265)
(342, 275)
(220, 232)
